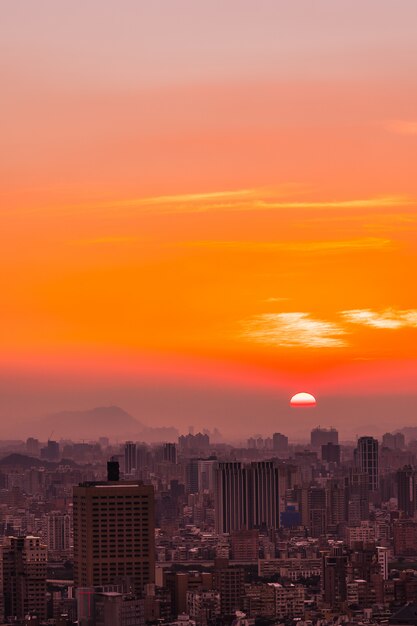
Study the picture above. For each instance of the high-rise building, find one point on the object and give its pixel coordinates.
(114, 534)
(191, 476)
(231, 497)
(317, 510)
(367, 460)
(336, 503)
(247, 496)
(230, 582)
(170, 452)
(206, 469)
(334, 577)
(394, 441)
(264, 495)
(24, 572)
(51, 451)
(279, 443)
(320, 436)
(357, 492)
(330, 453)
(130, 457)
(32, 446)
(58, 532)
(406, 485)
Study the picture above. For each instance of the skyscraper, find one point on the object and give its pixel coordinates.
(247, 496)
(231, 497)
(320, 436)
(406, 490)
(130, 457)
(170, 452)
(58, 532)
(114, 534)
(24, 571)
(279, 442)
(367, 460)
(264, 495)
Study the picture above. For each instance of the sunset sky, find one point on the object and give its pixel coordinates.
(203, 202)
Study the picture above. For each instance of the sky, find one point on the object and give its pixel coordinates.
(209, 206)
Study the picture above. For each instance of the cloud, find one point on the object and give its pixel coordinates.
(293, 330)
(274, 299)
(239, 200)
(401, 127)
(390, 318)
(366, 243)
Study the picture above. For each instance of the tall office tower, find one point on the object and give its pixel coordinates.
(334, 577)
(114, 534)
(170, 452)
(279, 443)
(367, 460)
(191, 476)
(51, 451)
(24, 572)
(231, 497)
(130, 457)
(317, 510)
(58, 532)
(406, 484)
(336, 503)
(206, 469)
(330, 453)
(264, 495)
(320, 436)
(357, 495)
(32, 446)
(393, 441)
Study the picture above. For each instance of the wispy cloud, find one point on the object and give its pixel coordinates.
(390, 318)
(401, 127)
(297, 329)
(366, 243)
(280, 198)
(276, 299)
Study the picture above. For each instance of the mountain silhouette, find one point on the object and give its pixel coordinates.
(103, 421)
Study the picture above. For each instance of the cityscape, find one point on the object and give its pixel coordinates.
(195, 533)
(208, 313)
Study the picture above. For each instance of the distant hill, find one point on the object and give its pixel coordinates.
(103, 421)
(26, 462)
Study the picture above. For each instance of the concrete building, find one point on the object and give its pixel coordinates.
(114, 534)
(203, 606)
(367, 460)
(130, 458)
(24, 572)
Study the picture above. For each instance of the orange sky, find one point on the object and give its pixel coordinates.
(214, 205)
